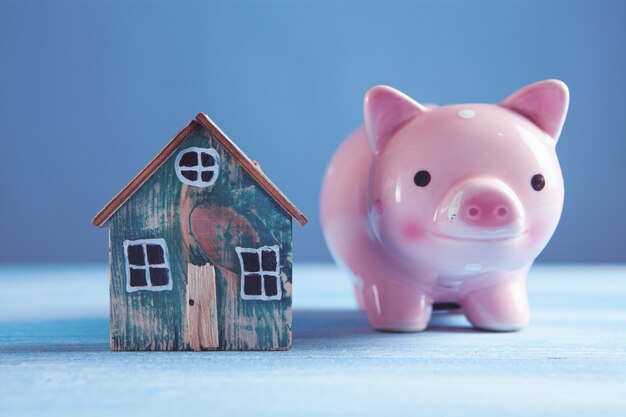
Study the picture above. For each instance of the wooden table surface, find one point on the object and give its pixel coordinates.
(55, 359)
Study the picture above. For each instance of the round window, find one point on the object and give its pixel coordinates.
(198, 166)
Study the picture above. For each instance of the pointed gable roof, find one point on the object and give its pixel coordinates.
(201, 121)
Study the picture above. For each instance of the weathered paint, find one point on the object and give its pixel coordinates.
(200, 226)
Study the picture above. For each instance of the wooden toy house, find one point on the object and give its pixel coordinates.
(200, 250)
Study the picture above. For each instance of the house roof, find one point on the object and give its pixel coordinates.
(201, 120)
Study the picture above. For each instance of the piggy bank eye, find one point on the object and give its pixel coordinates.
(538, 182)
(422, 178)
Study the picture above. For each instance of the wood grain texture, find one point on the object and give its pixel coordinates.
(200, 226)
(570, 361)
(201, 331)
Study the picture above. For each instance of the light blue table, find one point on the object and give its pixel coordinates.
(55, 359)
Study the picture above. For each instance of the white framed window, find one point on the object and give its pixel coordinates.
(260, 273)
(147, 265)
(197, 166)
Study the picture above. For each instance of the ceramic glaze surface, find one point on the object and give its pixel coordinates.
(446, 204)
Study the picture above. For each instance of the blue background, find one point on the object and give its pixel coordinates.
(91, 91)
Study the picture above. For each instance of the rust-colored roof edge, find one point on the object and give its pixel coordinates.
(112, 206)
(201, 120)
(249, 166)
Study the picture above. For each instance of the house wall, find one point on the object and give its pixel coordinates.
(200, 225)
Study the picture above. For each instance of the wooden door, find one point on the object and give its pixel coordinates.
(201, 331)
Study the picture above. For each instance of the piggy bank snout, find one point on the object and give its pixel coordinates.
(484, 208)
(488, 209)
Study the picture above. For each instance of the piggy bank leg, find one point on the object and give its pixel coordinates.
(502, 307)
(395, 308)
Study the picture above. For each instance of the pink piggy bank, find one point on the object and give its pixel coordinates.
(446, 205)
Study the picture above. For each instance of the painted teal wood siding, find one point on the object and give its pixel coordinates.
(200, 225)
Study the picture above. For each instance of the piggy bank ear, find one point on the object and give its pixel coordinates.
(544, 103)
(386, 109)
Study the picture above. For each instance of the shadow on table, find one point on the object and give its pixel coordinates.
(309, 326)
(334, 324)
